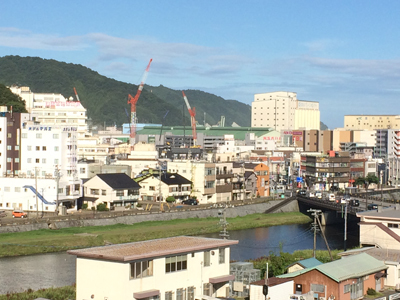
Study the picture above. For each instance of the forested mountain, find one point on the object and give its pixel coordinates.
(7, 98)
(106, 99)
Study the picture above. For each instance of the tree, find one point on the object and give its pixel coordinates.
(170, 199)
(8, 98)
(366, 181)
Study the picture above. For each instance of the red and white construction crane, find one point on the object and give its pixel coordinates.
(192, 112)
(76, 94)
(132, 101)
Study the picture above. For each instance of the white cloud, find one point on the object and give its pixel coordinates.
(16, 38)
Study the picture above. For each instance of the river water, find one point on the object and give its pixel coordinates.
(58, 269)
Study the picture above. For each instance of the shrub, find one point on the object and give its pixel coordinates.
(138, 204)
(102, 207)
(84, 206)
(170, 199)
(371, 292)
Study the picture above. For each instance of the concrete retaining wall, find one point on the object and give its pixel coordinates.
(231, 212)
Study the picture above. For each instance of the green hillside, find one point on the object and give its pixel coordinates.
(106, 99)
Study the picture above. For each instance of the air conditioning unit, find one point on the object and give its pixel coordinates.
(321, 298)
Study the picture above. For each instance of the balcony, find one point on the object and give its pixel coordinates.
(226, 188)
(209, 191)
(224, 174)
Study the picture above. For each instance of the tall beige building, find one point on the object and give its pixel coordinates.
(370, 122)
(282, 110)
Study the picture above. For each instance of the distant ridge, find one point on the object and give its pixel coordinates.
(106, 99)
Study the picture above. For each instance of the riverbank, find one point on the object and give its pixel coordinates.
(44, 241)
(62, 293)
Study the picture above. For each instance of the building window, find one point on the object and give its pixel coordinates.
(55, 136)
(16, 148)
(24, 135)
(94, 191)
(29, 160)
(120, 193)
(175, 263)
(82, 170)
(44, 148)
(43, 160)
(9, 135)
(221, 255)
(17, 189)
(38, 135)
(56, 148)
(207, 289)
(103, 192)
(29, 148)
(141, 269)
(190, 293)
(152, 188)
(8, 159)
(37, 148)
(7, 189)
(346, 289)
(207, 258)
(16, 160)
(318, 288)
(56, 161)
(168, 295)
(8, 147)
(391, 225)
(180, 294)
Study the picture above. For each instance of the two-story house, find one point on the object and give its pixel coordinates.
(113, 189)
(175, 268)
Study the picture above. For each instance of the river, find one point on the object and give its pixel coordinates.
(58, 269)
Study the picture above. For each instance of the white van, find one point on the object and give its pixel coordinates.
(332, 197)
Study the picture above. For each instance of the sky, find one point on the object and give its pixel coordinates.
(342, 54)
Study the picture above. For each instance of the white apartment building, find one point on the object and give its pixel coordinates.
(53, 109)
(174, 268)
(282, 110)
(203, 176)
(49, 152)
(3, 139)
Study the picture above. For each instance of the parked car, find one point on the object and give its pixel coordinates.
(334, 188)
(354, 202)
(19, 214)
(301, 193)
(332, 197)
(311, 195)
(190, 202)
(3, 214)
(372, 206)
(318, 194)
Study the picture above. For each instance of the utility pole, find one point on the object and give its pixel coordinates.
(36, 192)
(314, 213)
(57, 175)
(345, 227)
(222, 222)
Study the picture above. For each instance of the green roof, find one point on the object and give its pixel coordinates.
(348, 267)
(238, 132)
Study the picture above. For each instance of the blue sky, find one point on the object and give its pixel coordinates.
(343, 54)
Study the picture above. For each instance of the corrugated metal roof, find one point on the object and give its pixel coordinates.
(152, 248)
(238, 132)
(345, 268)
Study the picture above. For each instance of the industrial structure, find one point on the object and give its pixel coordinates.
(192, 112)
(132, 101)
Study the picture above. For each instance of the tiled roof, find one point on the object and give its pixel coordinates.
(272, 281)
(119, 181)
(173, 179)
(152, 248)
(386, 255)
(345, 268)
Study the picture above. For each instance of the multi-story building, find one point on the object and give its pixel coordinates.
(50, 152)
(263, 179)
(324, 171)
(203, 176)
(283, 111)
(53, 109)
(371, 122)
(171, 268)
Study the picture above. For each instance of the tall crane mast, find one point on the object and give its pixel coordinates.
(76, 94)
(192, 112)
(132, 101)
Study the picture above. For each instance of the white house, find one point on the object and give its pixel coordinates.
(113, 189)
(176, 268)
(171, 184)
(380, 228)
(278, 288)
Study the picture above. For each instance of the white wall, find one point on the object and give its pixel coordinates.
(112, 279)
(277, 292)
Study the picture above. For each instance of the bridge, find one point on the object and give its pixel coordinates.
(333, 212)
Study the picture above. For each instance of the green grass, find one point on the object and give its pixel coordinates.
(62, 293)
(43, 241)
